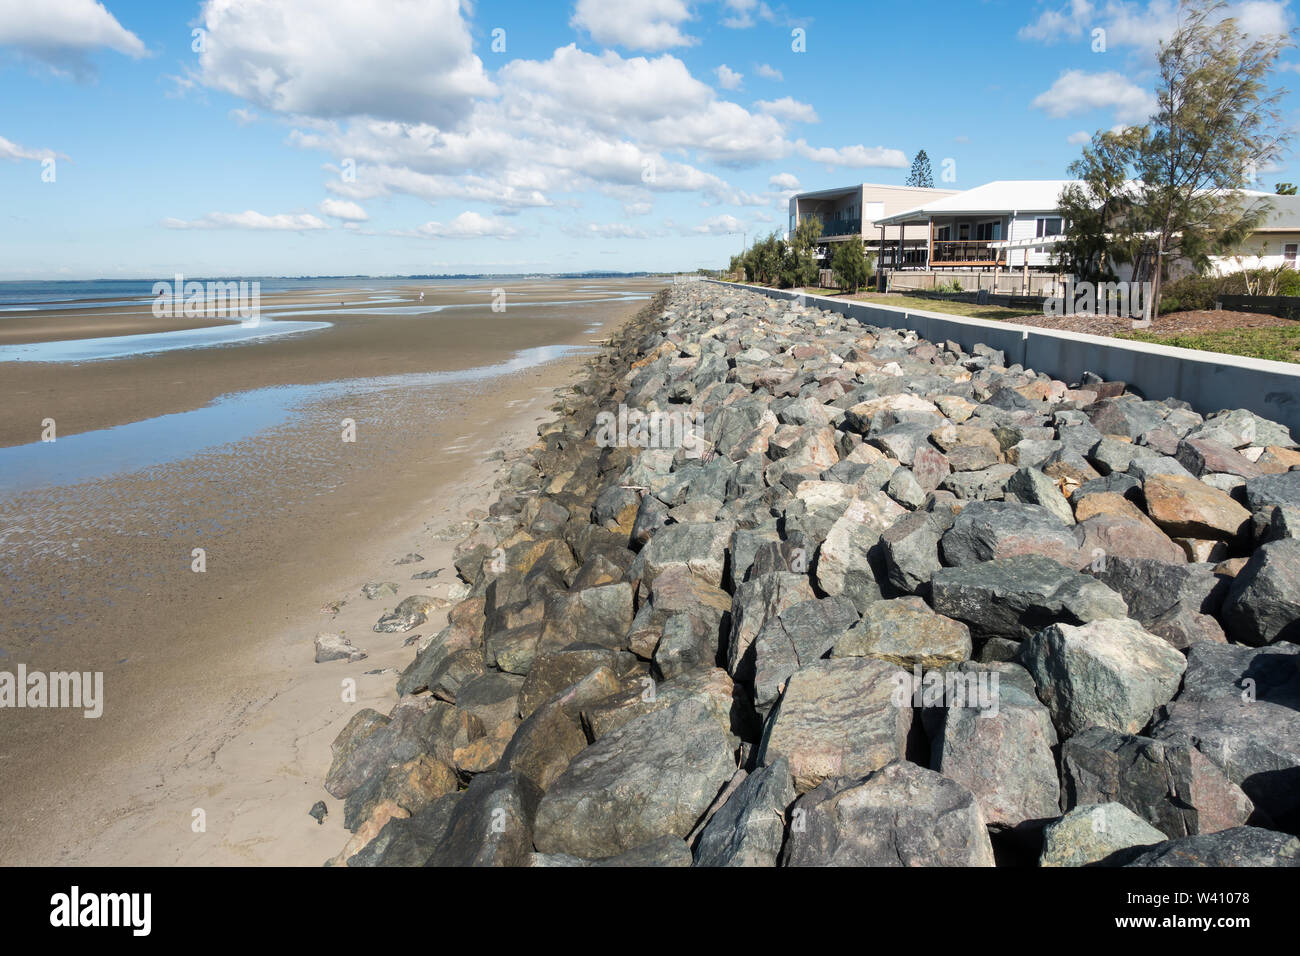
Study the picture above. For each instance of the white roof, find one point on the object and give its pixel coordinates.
(1000, 196)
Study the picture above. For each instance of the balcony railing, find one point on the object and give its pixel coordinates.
(962, 250)
(841, 227)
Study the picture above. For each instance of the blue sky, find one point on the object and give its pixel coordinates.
(397, 137)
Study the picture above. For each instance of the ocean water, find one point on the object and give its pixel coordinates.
(144, 444)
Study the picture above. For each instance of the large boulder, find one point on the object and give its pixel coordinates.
(1107, 673)
(755, 602)
(987, 530)
(1263, 604)
(1241, 846)
(899, 815)
(749, 829)
(653, 777)
(844, 561)
(1017, 597)
(1186, 507)
(1174, 601)
(1003, 756)
(905, 632)
(795, 638)
(490, 825)
(1169, 783)
(1240, 706)
(1098, 833)
(837, 718)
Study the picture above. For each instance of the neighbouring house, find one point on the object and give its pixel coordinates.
(854, 212)
(1276, 242)
(1007, 224)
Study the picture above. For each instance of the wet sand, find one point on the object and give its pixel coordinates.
(213, 700)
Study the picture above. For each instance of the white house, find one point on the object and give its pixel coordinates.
(1275, 243)
(849, 212)
(1006, 224)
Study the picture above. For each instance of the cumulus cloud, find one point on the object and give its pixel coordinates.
(854, 157)
(61, 33)
(336, 58)
(1053, 24)
(468, 225)
(1142, 26)
(784, 181)
(719, 226)
(249, 219)
(343, 209)
(769, 72)
(1077, 91)
(788, 109)
(1079, 138)
(728, 78)
(634, 24)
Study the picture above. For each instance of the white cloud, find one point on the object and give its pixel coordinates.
(854, 157)
(606, 230)
(1076, 91)
(468, 225)
(719, 226)
(249, 219)
(12, 151)
(1079, 138)
(336, 58)
(638, 208)
(768, 72)
(1142, 26)
(788, 109)
(243, 117)
(1069, 21)
(742, 13)
(60, 33)
(728, 78)
(786, 181)
(343, 209)
(634, 24)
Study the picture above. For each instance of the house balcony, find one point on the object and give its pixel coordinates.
(964, 252)
(839, 228)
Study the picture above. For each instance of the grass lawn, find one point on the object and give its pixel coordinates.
(1279, 344)
(968, 309)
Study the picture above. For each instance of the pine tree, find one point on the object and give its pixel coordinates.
(921, 174)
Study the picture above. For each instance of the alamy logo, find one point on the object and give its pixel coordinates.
(1127, 300)
(633, 428)
(37, 689)
(215, 300)
(75, 908)
(977, 690)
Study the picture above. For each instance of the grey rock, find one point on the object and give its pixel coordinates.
(1240, 846)
(749, 829)
(1017, 597)
(1098, 833)
(843, 717)
(900, 815)
(1107, 673)
(651, 778)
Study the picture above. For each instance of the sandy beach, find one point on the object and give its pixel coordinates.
(215, 710)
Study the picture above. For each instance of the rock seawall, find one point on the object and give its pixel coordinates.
(777, 588)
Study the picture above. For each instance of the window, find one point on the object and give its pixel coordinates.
(1049, 227)
(944, 233)
(963, 231)
(1289, 253)
(988, 230)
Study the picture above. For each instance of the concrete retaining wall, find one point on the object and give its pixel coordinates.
(1205, 380)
